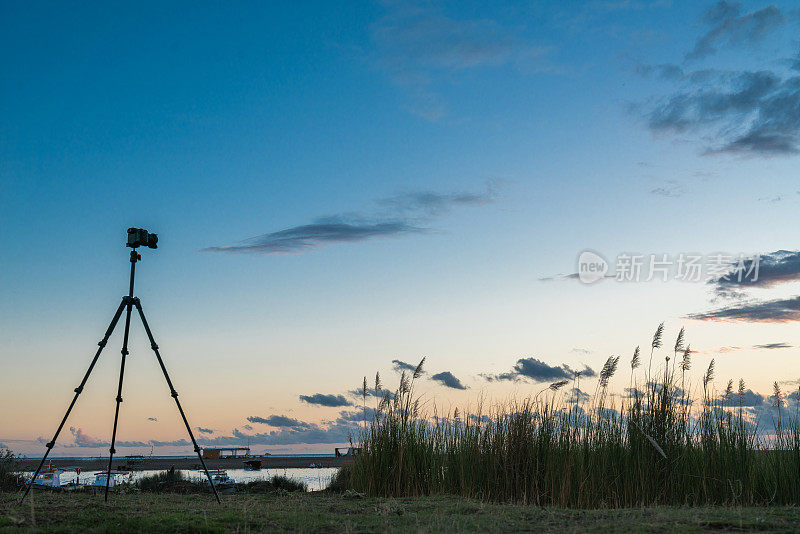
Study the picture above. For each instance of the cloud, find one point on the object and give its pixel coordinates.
(631, 393)
(84, 440)
(346, 426)
(775, 268)
(407, 213)
(371, 392)
(576, 396)
(772, 346)
(400, 365)
(750, 112)
(665, 71)
(153, 419)
(762, 272)
(248, 427)
(321, 232)
(355, 416)
(419, 47)
(717, 350)
(204, 430)
(432, 204)
(729, 27)
(322, 399)
(539, 371)
(173, 443)
(771, 311)
(749, 399)
(743, 112)
(670, 189)
(447, 378)
(279, 421)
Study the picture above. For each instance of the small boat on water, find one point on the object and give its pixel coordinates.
(57, 478)
(220, 478)
(100, 478)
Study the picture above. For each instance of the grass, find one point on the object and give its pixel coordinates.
(660, 445)
(173, 481)
(329, 512)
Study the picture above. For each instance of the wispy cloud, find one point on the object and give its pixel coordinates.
(670, 189)
(433, 204)
(401, 215)
(446, 378)
(318, 233)
(420, 47)
(153, 419)
(330, 400)
(717, 350)
(772, 346)
(400, 365)
(731, 27)
(770, 311)
(205, 430)
(749, 112)
(278, 421)
(539, 371)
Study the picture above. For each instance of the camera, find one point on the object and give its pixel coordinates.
(140, 237)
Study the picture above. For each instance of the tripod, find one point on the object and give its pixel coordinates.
(128, 303)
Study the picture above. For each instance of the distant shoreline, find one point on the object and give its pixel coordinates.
(157, 463)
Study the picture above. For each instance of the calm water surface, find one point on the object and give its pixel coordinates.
(315, 478)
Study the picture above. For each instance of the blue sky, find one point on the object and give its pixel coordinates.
(336, 187)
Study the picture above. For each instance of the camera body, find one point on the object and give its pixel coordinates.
(139, 237)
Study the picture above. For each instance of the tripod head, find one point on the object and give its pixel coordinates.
(140, 237)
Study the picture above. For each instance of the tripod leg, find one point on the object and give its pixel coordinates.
(111, 450)
(78, 391)
(174, 394)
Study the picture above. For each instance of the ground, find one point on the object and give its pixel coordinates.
(327, 512)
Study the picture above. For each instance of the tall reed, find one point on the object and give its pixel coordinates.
(659, 446)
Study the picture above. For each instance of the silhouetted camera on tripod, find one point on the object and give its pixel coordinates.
(137, 237)
(140, 237)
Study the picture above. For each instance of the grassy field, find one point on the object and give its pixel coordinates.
(668, 441)
(329, 512)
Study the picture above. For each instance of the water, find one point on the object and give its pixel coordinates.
(315, 478)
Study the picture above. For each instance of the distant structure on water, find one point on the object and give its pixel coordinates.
(346, 451)
(226, 452)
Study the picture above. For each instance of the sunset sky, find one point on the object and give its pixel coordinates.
(340, 189)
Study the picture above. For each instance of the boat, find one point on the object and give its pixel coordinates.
(220, 478)
(56, 478)
(100, 478)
